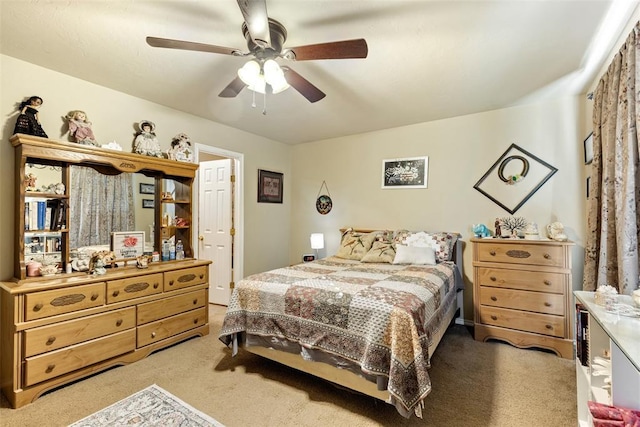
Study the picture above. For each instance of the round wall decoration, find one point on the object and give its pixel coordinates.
(324, 202)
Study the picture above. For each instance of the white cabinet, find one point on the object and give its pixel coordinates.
(610, 336)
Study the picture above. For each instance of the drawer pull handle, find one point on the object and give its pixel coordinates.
(50, 368)
(155, 285)
(119, 322)
(492, 253)
(547, 304)
(37, 307)
(548, 326)
(201, 276)
(116, 293)
(195, 321)
(94, 296)
(547, 282)
(493, 278)
(170, 282)
(51, 340)
(195, 301)
(494, 299)
(547, 256)
(493, 317)
(153, 334)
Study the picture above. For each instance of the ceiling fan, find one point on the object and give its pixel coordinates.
(265, 39)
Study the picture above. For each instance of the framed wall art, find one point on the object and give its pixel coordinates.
(148, 203)
(588, 149)
(409, 172)
(147, 188)
(514, 178)
(270, 186)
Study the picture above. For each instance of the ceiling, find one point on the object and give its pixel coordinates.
(427, 60)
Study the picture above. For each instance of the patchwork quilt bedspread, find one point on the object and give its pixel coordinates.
(380, 316)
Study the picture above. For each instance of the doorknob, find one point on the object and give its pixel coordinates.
(201, 237)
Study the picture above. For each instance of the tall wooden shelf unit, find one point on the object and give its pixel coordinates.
(61, 328)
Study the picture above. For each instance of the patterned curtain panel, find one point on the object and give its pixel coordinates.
(611, 249)
(99, 205)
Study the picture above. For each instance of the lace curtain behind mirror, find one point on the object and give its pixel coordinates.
(99, 204)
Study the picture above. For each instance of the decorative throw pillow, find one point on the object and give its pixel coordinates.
(414, 255)
(382, 249)
(442, 242)
(354, 245)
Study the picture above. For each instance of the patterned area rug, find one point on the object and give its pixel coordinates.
(152, 406)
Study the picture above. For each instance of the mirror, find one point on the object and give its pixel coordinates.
(102, 203)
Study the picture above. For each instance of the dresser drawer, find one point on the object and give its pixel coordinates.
(63, 334)
(184, 278)
(151, 311)
(165, 328)
(522, 253)
(68, 359)
(526, 280)
(523, 300)
(65, 300)
(544, 324)
(133, 287)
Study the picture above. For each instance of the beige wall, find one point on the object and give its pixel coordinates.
(114, 115)
(460, 151)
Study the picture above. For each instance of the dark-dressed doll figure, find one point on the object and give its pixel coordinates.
(28, 121)
(80, 128)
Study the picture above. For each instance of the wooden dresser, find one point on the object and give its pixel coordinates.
(522, 293)
(54, 331)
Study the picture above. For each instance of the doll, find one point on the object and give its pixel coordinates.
(146, 142)
(80, 128)
(28, 121)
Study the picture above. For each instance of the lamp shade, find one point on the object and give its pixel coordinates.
(317, 241)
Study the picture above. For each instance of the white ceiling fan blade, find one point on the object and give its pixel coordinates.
(255, 16)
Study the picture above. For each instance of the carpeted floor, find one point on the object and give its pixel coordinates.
(474, 384)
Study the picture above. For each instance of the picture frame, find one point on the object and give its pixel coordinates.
(514, 178)
(146, 188)
(148, 203)
(127, 244)
(409, 172)
(270, 186)
(588, 186)
(588, 149)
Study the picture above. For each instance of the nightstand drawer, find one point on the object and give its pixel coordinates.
(64, 300)
(544, 324)
(184, 278)
(522, 300)
(522, 253)
(133, 287)
(525, 280)
(63, 334)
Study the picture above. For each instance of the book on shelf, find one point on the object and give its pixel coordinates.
(582, 334)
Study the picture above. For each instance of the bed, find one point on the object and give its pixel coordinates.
(367, 318)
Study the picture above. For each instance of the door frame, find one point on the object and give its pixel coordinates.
(238, 212)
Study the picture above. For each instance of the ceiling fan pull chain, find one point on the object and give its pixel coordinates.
(264, 104)
(253, 103)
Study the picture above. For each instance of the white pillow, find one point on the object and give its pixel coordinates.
(414, 255)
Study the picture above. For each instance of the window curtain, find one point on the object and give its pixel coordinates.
(611, 248)
(99, 204)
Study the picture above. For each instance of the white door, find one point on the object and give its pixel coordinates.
(214, 223)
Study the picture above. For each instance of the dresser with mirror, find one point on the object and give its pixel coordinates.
(61, 319)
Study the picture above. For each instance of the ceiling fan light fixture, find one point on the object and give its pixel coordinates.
(250, 72)
(274, 75)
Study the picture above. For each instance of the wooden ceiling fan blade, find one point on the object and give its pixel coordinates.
(233, 89)
(302, 85)
(257, 21)
(185, 45)
(344, 49)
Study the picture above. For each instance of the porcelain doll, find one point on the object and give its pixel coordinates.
(80, 128)
(146, 142)
(180, 148)
(28, 121)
